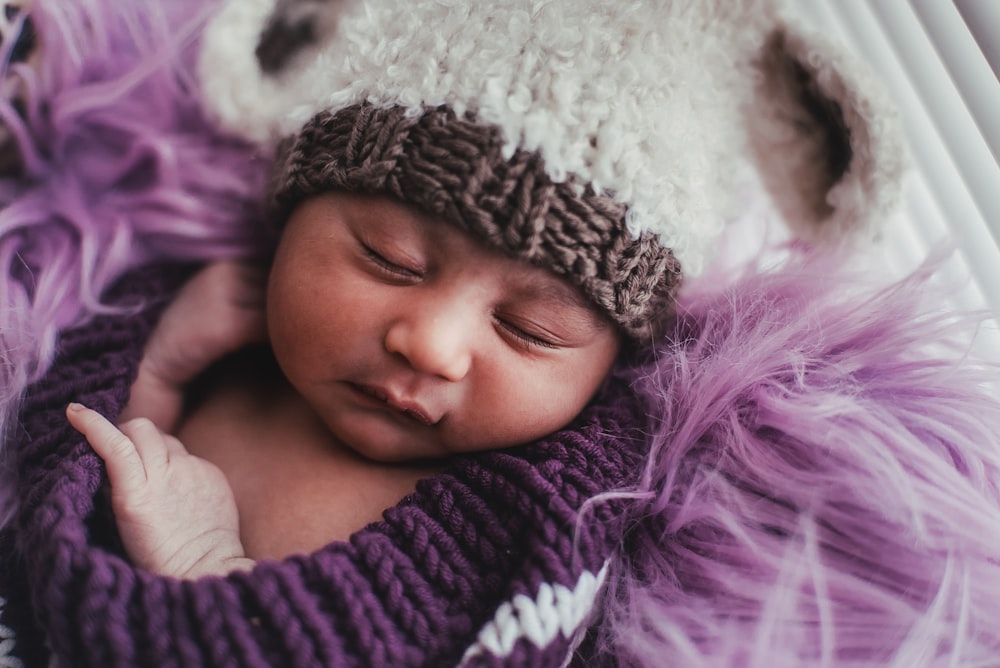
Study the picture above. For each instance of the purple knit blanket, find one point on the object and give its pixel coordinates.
(488, 563)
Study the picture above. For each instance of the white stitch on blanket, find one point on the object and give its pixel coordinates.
(7, 643)
(555, 609)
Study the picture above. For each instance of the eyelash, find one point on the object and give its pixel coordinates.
(388, 266)
(523, 338)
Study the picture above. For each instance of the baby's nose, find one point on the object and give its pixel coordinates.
(435, 339)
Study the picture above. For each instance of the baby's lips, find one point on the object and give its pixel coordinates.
(408, 407)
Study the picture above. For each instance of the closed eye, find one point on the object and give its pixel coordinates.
(387, 266)
(523, 338)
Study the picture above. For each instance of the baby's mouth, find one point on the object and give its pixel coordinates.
(404, 407)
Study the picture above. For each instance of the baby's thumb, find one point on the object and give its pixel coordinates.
(125, 467)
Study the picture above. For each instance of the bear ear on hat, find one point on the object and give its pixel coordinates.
(824, 136)
(293, 28)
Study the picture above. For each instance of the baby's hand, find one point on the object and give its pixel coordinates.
(217, 312)
(176, 513)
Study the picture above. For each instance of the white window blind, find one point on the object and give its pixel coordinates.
(939, 60)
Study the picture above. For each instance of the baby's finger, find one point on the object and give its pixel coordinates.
(149, 443)
(125, 467)
(174, 446)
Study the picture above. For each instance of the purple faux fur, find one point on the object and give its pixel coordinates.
(823, 488)
(119, 167)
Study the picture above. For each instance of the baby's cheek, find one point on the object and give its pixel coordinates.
(524, 412)
(549, 401)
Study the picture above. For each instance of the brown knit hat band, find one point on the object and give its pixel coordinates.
(455, 168)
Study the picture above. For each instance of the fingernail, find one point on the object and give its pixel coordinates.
(74, 407)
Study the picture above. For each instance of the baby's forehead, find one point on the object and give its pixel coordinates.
(525, 278)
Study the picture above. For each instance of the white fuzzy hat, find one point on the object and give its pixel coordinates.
(640, 108)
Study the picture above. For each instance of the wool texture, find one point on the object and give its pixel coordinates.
(557, 79)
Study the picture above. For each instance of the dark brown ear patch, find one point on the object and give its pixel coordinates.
(281, 41)
(827, 126)
(294, 27)
(798, 134)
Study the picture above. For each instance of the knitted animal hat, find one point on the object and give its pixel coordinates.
(597, 139)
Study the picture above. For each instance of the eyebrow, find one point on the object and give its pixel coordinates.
(553, 289)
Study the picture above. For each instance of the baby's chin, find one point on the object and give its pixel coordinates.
(417, 452)
(387, 446)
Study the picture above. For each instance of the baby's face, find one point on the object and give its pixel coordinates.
(411, 339)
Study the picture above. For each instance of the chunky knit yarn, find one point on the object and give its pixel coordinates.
(489, 563)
